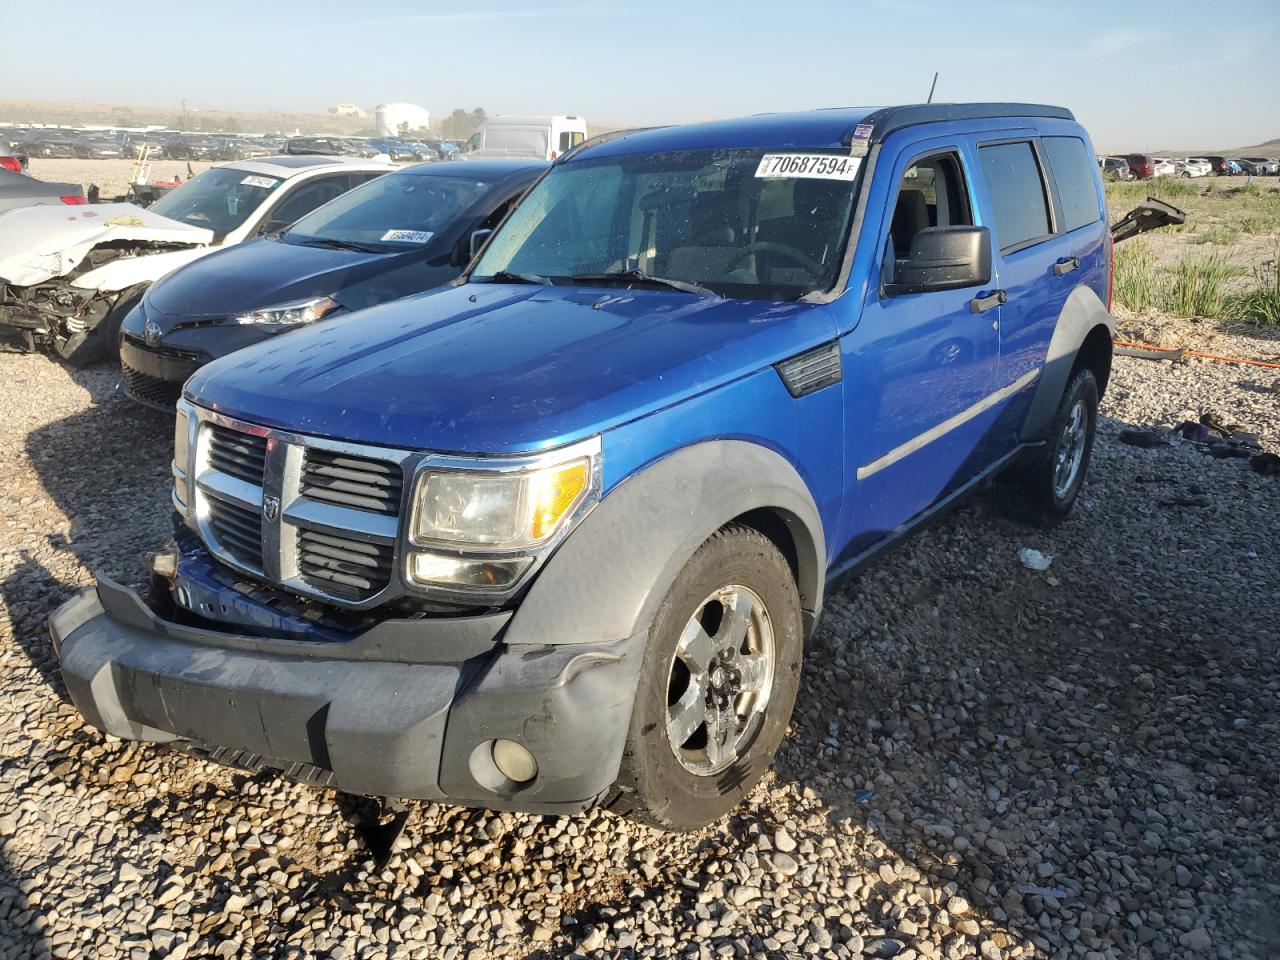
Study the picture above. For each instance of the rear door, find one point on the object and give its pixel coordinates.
(1042, 198)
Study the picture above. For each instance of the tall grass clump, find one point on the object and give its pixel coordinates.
(1260, 303)
(1136, 282)
(1197, 288)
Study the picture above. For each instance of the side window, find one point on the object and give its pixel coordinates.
(1016, 188)
(1073, 178)
(308, 196)
(932, 193)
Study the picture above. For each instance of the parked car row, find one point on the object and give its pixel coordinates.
(1142, 166)
(528, 500)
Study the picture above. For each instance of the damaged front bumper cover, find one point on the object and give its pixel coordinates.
(408, 708)
(51, 315)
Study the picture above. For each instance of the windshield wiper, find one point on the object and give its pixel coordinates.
(506, 276)
(341, 245)
(639, 276)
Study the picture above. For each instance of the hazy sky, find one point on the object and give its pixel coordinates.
(1157, 74)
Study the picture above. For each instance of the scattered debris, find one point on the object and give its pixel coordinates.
(1151, 351)
(1034, 559)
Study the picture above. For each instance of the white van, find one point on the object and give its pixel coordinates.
(542, 137)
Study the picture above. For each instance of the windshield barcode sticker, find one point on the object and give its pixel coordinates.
(254, 181)
(409, 236)
(813, 166)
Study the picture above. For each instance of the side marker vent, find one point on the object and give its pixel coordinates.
(811, 370)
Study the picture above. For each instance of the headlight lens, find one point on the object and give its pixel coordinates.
(290, 314)
(499, 511)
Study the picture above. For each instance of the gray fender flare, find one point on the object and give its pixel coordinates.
(1083, 312)
(606, 581)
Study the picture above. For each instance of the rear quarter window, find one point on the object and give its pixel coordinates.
(1073, 177)
(1017, 193)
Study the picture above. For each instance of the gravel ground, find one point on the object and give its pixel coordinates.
(111, 176)
(985, 760)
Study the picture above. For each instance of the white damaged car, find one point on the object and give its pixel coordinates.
(68, 275)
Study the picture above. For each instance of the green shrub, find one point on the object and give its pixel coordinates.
(1136, 284)
(1196, 288)
(1260, 303)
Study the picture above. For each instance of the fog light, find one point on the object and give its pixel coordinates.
(513, 761)
(432, 569)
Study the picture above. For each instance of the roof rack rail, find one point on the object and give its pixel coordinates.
(887, 120)
(604, 138)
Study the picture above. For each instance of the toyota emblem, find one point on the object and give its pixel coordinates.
(152, 333)
(271, 508)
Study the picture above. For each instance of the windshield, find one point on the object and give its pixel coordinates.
(754, 224)
(391, 213)
(528, 141)
(220, 199)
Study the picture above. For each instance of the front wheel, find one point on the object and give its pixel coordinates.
(1051, 480)
(717, 685)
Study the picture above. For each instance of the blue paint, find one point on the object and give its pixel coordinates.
(501, 368)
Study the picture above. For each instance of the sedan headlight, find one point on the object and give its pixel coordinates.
(290, 314)
(504, 515)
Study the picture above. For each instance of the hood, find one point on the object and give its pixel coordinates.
(261, 273)
(42, 242)
(503, 369)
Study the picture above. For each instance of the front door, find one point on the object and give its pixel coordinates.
(918, 367)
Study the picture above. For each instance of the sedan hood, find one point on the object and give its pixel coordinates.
(503, 369)
(260, 273)
(37, 243)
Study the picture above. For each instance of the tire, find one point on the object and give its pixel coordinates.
(109, 331)
(1049, 482)
(685, 787)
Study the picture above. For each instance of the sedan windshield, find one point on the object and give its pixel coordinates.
(220, 199)
(752, 224)
(392, 213)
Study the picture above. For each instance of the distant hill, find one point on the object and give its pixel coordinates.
(213, 121)
(226, 121)
(1268, 148)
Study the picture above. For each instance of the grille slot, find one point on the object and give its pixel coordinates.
(239, 454)
(239, 531)
(150, 390)
(350, 569)
(355, 482)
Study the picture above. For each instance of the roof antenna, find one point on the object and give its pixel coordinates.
(933, 86)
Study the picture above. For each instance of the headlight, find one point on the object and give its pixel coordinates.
(487, 525)
(290, 314)
(499, 511)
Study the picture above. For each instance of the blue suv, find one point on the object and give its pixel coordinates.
(554, 536)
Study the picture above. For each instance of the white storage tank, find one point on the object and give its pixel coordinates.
(390, 117)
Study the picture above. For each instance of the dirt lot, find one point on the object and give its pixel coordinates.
(111, 176)
(985, 760)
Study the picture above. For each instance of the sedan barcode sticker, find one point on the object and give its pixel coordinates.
(255, 181)
(409, 236)
(814, 166)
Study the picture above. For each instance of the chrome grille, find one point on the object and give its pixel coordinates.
(350, 481)
(238, 531)
(240, 455)
(351, 569)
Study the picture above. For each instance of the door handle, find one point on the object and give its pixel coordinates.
(1063, 267)
(993, 299)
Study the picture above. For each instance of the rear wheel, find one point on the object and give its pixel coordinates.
(1051, 480)
(717, 686)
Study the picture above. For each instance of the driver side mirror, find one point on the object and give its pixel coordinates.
(944, 258)
(478, 238)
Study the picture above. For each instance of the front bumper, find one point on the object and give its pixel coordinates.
(155, 377)
(408, 708)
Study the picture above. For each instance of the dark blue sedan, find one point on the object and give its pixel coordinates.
(401, 234)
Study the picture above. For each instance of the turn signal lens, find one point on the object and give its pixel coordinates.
(553, 493)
